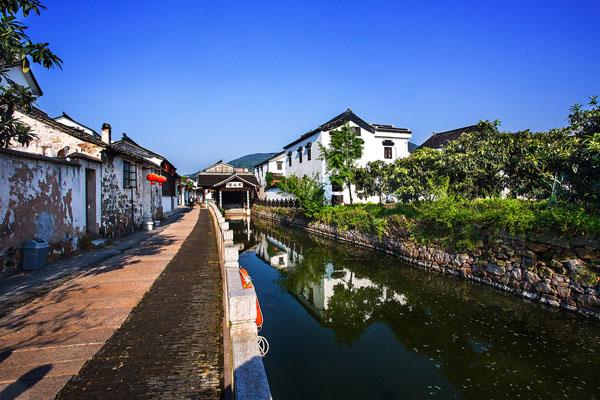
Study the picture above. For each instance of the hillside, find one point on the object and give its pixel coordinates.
(250, 160)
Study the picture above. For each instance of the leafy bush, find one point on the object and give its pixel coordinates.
(356, 217)
(309, 191)
(463, 223)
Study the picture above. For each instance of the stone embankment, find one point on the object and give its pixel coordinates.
(249, 375)
(558, 273)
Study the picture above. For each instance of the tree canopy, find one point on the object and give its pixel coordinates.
(17, 49)
(340, 156)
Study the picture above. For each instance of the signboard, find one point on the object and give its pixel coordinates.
(234, 185)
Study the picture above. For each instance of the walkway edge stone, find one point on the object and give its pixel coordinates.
(249, 375)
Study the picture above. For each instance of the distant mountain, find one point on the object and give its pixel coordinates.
(412, 147)
(250, 160)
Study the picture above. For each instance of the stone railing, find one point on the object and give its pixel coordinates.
(549, 272)
(249, 375)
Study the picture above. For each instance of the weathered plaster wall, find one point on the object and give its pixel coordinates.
(117, 201)
(40, 199)
(548, 271)
(166, 204)
(50, 140)
(151, 198)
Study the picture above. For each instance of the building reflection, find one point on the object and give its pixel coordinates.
(317, 282)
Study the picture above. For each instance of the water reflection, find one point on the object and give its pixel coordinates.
(385, 330)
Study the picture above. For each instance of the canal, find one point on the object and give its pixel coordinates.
(345, 322)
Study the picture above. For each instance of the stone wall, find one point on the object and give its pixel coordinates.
(117, 201)
(558, 273)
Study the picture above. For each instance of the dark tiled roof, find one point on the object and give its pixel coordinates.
(41, 116)
(441, 139)
(207, 179)
(345, 117)
(129, 146)
(333, 123)
(34, 156)
(390, 128)
(269, 159)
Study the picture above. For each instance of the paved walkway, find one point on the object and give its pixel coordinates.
(44, 343)
(21, 288)
(171, 346)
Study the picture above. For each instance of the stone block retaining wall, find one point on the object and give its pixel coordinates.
(547, 271)
(249, 375)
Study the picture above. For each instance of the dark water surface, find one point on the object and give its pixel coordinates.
(346, 322)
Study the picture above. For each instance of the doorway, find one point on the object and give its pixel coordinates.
(91, 225)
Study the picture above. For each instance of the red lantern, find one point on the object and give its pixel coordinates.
(153, 178)
(161, 180)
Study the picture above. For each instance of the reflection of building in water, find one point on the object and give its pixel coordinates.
(317, 296)
(276, 253)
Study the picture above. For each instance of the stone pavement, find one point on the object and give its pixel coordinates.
(18, 289)
(45, 342)
(171, 345)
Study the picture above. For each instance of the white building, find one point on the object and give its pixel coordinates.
(276, 167)
(381, 142)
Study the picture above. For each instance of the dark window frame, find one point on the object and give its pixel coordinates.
(387, 152)
(279, 165)
(289, 155)
(129, 175)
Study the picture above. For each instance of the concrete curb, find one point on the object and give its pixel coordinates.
(249, 375)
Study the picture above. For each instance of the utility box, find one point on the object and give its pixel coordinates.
(35, 254)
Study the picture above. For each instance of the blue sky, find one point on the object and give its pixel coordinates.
(203, 80)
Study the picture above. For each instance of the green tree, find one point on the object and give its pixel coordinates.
(340, 156)
(581, 174)
(475, 161)
(17, 49)
(415, 178)
(373, 180)
(309, 192)
(269, 179)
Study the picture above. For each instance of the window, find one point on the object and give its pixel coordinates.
(356, 130)
(387, 152)
(129, 175)
(335, 187)
(279, 165)
(308, 151)
(300, 155)
(337, 199)
(289, 159)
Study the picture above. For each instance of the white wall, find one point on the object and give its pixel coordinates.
(260, 171)
(373, 150)
(166, 204)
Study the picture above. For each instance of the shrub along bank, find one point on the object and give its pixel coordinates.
(461, 224)
(548, 253)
